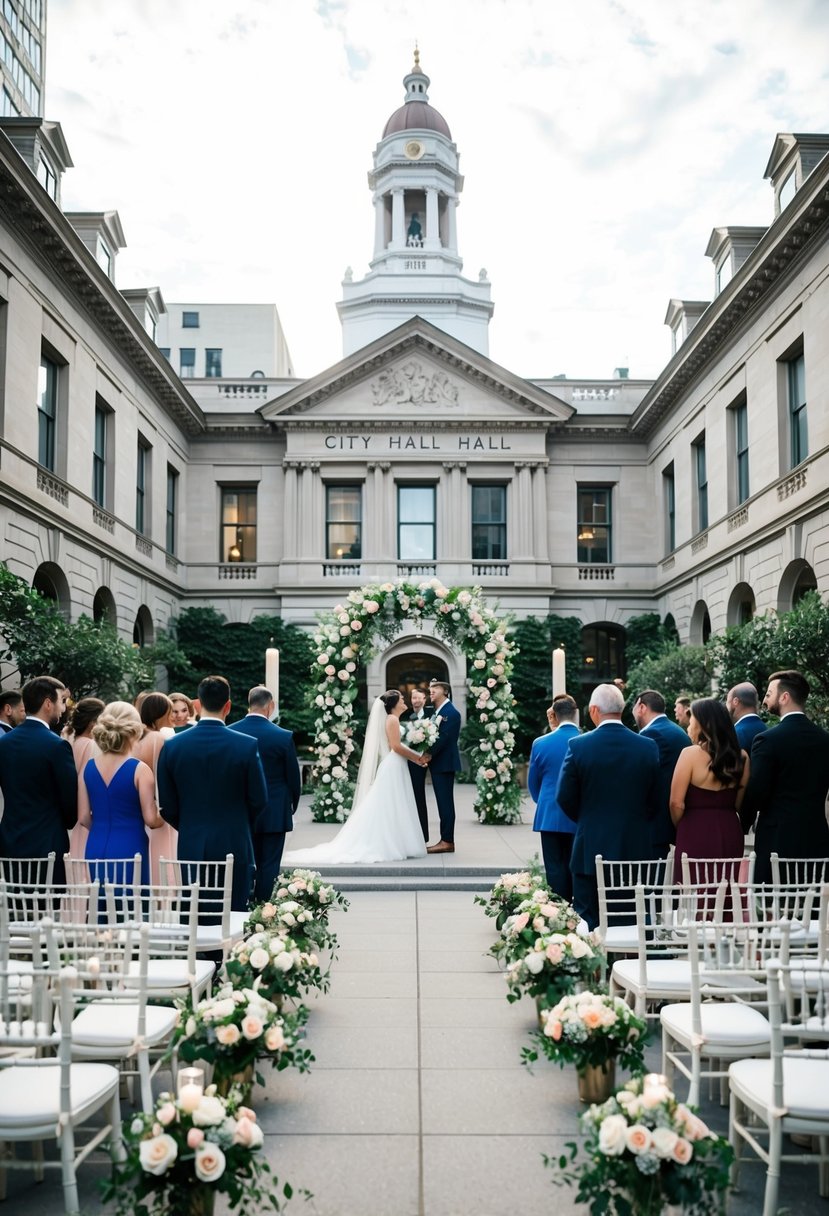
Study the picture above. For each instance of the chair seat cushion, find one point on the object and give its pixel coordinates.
(30, 1097)
(622, 937)
(726, 1024)
(166, 973)
(663, 974)
(111, 1025)
(805, 1087)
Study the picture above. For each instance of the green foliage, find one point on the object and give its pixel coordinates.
(91, 659)
(201, 642)
(532, 677)
(684, 669)
(646, 638)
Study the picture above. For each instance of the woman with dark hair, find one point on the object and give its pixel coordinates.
(85, 713)
(383, 825)
(156, 713)
(708, 786)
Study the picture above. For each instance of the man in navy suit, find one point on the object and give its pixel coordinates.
(444, 762)
(278, 756)
(211, 788)
(417, 772)
(556, 829)
(12, 710)
(649, 715)
(743, 704)
(789, 779)
(609, 784)
(38, 779)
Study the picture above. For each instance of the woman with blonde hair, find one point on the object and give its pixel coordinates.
(157, 717)
(84, 715)
(116, 795)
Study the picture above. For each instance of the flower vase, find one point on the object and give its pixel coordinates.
(200, 1200)
(597, 1082)
(243, 1079)
(540, 1010)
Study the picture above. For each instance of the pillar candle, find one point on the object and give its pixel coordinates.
(272, 675)
(559, 676)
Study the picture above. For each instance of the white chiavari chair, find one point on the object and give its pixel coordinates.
(30, 871)
(616, 882)
(219, 926)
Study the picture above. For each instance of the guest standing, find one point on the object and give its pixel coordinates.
(38, 779)
(789, 779)
(609, 784)
(12, 711)
(82, 719)
(708, 787)
(278, 756)
(682, 711)
(417, 772)
(556, 829)
(183, 712)
(212, 789)
(116, 796)
(649, 715)
(157, 727)
(743, 704)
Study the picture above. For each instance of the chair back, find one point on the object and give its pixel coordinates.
(23, 905)
(802, 871)
(617, 882)
(32, 871)
(36, 1023)
(119, 871)
(214, 880)
(798, 1009)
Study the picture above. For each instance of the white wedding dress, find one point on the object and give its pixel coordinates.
(383, 826)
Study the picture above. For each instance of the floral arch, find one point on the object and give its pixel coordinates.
(349, 637)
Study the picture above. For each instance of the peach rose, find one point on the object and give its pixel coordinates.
(195, 1137)
(248, 1133)
(553, 1029)
(638, 1138)
(228, 1036)
(210, 1163)
(592, 1018)
(252, 1026)
(157, 1155)
(274, 1038)
(683, 1151)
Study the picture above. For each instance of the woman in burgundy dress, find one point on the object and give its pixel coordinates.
(706, 792)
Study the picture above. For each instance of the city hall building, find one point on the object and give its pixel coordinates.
(155, 456)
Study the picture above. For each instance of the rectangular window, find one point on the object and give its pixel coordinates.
(189, 320)
(593, 531)
(343, 523)
(797, 410)
(701, 469)
(416, 523)
(212, 362)
(740, 412)
(238, 542)
(172, 506)
(489, 523)
(142, 483)
(103, 257)
(99, 454)
(669, 483)
(47, 412)
(187, 362)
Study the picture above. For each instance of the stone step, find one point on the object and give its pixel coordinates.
(404, 870)
(405, 882)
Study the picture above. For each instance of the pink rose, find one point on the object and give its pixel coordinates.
(356, 626)
(166, 1114)
(554, 952)
(247, 1133)
(194, 1137)
(553, 1029)
(683, 1151)
(371, 606)
(638, 1138)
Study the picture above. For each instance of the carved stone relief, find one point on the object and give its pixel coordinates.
(411, 385)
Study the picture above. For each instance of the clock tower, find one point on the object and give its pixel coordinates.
(416, 268)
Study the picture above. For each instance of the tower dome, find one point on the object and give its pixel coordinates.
(416, 113)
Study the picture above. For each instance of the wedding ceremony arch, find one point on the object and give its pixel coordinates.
(350, 635)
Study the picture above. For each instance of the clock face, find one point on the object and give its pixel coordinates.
(414, 149)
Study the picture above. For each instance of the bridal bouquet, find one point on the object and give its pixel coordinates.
(553, 967)
(590, 1030)
(510, 890)
(186, 1150)
(420, 735)
(644, 1151)
(236, 1027)
(281, 967)
(534, 917)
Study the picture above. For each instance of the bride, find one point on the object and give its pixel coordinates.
(383, 826)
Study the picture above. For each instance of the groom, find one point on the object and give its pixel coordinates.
(444, 762)
(417, 772)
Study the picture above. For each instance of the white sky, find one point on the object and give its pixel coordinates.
(601, 141)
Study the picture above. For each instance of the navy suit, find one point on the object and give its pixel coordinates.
(670, 739)
(278, 756)
(546, 758)
(747, 729)
(40, 792)
(786, 792)
(609, 784)
(211, 788)
(418, 774)
(445, 762)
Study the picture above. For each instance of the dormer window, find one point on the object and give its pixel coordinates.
(724, 273)
(787, 190)
(47, 177)
(103, 257)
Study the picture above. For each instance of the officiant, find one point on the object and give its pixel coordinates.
(420, 709)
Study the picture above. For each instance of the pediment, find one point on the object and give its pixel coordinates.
(416, 374)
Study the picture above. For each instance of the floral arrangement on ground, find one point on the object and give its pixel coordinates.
(539, 915)
(279, 964)
(178, 1156)
(555, 965)
(511, 890)
(235, 1028)
(644, 1150)
(348, 636)
(590, 1029)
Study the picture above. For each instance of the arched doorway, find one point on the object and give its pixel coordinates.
(50, 582)
(143, 631)
(408, 671)
(700, 624)
(798, 578)
(603, 654)
(741, 605)
(103, 607)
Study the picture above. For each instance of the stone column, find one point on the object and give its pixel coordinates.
(523, 522)
(539, 480)
(379, 512)
(379, 224)
(432, 228)
(310, 524)
(453, 225)
(289, 529)
(398, 218)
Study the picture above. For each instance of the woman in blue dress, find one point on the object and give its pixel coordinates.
(116, 796)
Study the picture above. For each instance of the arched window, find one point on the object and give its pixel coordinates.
(143, 631)
(50, 582)
(671, 631)
(798, 578)
(700, 624)
(103, 607)
(741, 605)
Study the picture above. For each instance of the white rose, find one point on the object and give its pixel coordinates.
(210, 1163)
(612, 1136)
(209, 1112)
(535, 963)
(259, 958)
(157, 1155)
(664, 1141)
(190, 1027)
(284, 961)
(251, 1026)
(277, 946)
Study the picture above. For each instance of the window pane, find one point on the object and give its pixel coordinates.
(344, 542)
(416, 504)
(212, 362)
(189, 320)
(47, 397)
(489, 531)
(417, 542)
(238, 543)
(187, 361)
(343, 524)
(593, 525)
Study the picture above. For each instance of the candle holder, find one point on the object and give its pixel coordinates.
(190, 1088)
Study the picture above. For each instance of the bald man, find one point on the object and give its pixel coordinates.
(743, 704)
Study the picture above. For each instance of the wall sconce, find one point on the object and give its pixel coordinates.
(586, 534)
